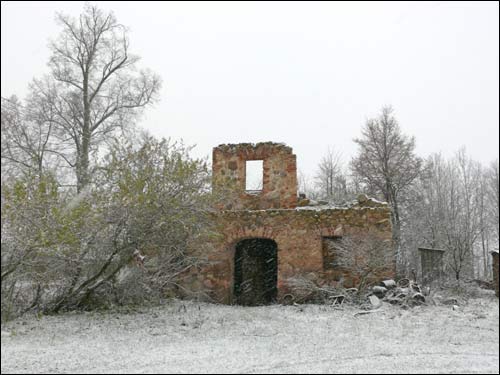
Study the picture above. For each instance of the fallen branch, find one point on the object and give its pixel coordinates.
(365, 312)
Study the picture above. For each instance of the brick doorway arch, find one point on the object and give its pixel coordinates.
(255, 272)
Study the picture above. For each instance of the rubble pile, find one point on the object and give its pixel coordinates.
(405, 292)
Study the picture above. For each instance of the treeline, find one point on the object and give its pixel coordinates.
(449, 204)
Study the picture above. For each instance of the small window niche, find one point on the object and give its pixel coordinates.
(254, 176)
(331, 246)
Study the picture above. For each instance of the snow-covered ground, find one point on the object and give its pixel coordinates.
(188, 337)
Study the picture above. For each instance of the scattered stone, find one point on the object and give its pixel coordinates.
(375, 301)
(406, 294)
(416, 288)
(379, 291)
(362, 198)
(403, 283)
(6, 334)
(418, 297)
(389, 284)
(404, 291)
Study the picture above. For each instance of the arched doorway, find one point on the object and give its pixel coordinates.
(255, 272)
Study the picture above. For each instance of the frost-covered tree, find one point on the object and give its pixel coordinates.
(386, 163)
(94, 89)
(493, 195)
(331, 180)
(450, 212)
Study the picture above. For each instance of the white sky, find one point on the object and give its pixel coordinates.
(307, 74)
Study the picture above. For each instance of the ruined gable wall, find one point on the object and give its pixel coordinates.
(279, 180)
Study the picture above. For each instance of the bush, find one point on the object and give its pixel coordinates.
(125, 238)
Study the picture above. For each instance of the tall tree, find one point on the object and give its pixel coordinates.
(386, 163)
(463, 224)
(94, 88)
(484, 224)
(451, 212)
(331, 181)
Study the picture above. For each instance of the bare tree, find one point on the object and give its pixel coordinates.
(463, 226)
(331, 180)
(26, 139)
(487, 203)
(305, 186)
(386, 163)
(449, 212)
(94, 88)
(485, 226)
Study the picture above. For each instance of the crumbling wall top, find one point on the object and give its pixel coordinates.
(263, 149)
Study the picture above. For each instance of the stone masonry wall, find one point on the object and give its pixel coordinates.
(279, 181)
(298, 234)
(272, 213)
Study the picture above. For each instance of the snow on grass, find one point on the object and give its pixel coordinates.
(189, 337)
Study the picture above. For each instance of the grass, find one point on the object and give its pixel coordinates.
(189, 337)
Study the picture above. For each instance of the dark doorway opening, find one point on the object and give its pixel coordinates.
(255, 272)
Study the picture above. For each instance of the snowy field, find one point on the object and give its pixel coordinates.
(191, 337)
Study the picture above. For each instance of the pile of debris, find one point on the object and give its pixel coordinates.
(405, 293)
(305, 290)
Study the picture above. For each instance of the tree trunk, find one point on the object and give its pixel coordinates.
(83, 160)
(396, 232)
(83, 157)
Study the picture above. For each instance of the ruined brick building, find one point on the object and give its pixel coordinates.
(271, 235)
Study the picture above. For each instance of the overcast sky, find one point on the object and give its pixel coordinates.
(307, 74)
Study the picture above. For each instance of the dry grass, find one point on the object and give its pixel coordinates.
(188, 337)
